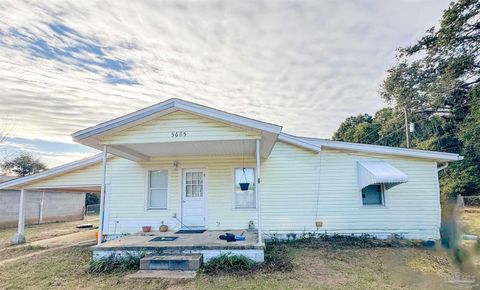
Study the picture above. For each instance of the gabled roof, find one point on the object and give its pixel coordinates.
(169, 106)
(317, 143)
(93, 136)
(52, 172)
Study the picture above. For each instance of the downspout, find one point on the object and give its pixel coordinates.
(442, 167)
(257, 189)
(102, 196)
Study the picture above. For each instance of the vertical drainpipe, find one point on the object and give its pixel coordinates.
(257, 189)
(102, 195)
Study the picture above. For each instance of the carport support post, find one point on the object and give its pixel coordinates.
(257, 191)
(102, 196)
(19, 237)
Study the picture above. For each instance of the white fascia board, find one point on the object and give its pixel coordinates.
(434, 155)
(180, 105)
(298, 142)
(120, 121)
(52, 172)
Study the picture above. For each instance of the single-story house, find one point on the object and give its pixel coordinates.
(40, 206)
(189, 166)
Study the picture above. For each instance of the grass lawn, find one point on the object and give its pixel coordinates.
(326, 268)
(40, 232)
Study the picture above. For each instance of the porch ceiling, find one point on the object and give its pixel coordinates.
(144, 151)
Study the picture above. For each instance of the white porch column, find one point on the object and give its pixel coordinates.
(102, 196)
(19, 237)
(257, 191)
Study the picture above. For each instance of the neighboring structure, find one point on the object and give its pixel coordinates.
(186, 165)
(40, 206)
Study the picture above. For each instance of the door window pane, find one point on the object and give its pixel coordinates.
(193, 184)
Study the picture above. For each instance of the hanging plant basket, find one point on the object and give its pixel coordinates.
(244, 186)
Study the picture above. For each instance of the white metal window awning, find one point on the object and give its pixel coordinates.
(379, 172)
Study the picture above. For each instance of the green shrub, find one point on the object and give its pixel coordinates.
(228, 264)
(320, 240)
(115, 264)
(277, 258)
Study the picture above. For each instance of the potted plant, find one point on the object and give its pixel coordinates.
(163, 228)
(146, 229)
(244, 185)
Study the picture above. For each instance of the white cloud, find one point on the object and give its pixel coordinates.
(304, 65)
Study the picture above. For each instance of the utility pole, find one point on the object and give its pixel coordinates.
(406, 128)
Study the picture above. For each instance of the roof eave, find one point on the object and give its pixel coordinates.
(180, 105)
(19, 182)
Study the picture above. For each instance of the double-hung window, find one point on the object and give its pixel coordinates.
(244, 195)
(157, 189)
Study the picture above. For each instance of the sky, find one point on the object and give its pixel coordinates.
(304, 65)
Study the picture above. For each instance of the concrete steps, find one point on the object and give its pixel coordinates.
(190, 262)
(169, 266)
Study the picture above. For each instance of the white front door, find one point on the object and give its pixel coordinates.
(193, 198)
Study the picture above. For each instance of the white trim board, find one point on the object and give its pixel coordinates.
(368, 148)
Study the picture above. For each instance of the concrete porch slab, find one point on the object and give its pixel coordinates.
(206, 243)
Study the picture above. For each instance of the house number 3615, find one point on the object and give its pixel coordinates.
(177, 134)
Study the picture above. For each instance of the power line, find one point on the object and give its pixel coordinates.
(395, 131)
(376, 130)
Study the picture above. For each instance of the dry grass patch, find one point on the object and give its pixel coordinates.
(9, 253)
(41, 232)
(325, 268)
(471, 220)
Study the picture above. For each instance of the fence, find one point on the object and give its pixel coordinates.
(92, 211)
(471, 200)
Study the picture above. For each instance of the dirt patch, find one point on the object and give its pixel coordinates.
(13, 252)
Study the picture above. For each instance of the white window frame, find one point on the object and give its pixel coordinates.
(383, 196)
(148, 189)
(234, 204)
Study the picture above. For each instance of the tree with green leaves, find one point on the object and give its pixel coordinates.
(23, 165)
(437, 81)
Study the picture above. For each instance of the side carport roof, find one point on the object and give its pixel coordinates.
(62, 169)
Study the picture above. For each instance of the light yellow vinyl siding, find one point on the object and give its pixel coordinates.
(196, 128)
(128, 193)
(90, 175)
(293, 185)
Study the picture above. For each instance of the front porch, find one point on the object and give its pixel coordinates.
(207, 243)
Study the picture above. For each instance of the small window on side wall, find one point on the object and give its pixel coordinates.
(373, 195)
(157, 189)
(244, 188)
